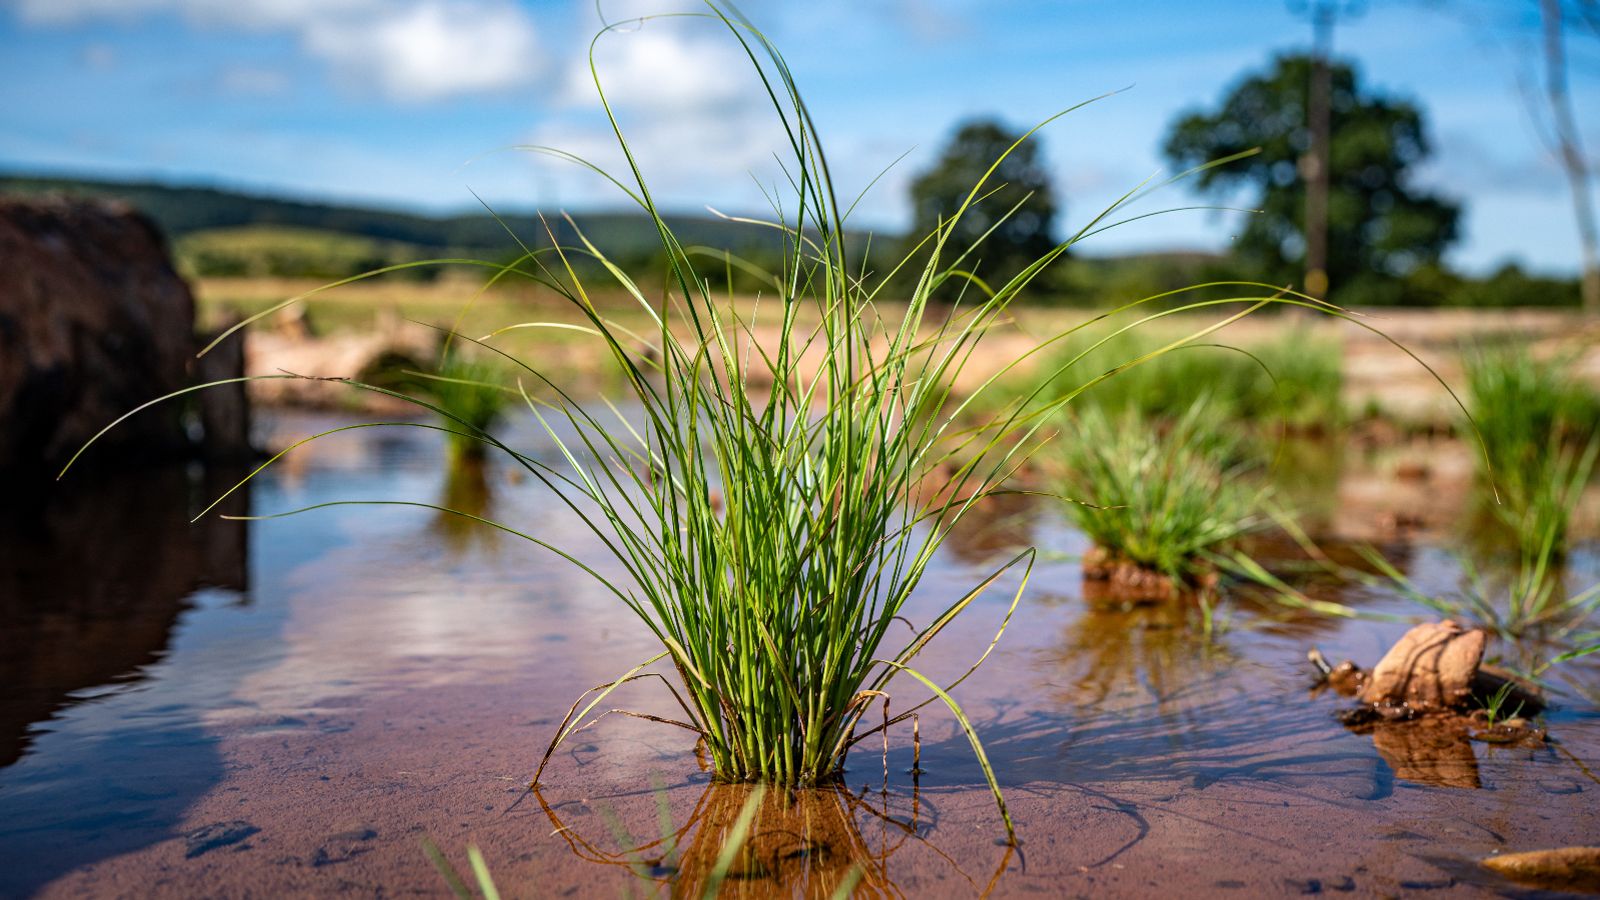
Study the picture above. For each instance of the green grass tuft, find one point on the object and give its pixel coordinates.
(1294, 380)
(1161, 496)
(778, 483)
(1540, 427)
(474, 396)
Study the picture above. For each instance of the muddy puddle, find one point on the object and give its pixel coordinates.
(290, 707)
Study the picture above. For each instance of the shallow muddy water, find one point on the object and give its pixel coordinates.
(290, 706)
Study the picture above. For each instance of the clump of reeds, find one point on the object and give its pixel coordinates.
(1163, 496)
(1540, 428)
(1292, 380)
(474, 395)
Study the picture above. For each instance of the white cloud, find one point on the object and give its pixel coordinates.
(663, 66)
(690, 103)
(414, 50)
(430, 50)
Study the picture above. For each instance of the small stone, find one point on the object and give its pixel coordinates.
(1432, 667)
(1347, 679)
(343, 847)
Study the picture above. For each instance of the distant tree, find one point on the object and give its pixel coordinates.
(1380, 226)
(938, 193)
(1538, 31)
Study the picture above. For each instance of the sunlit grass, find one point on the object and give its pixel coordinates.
(1541, 432)
(1293, 379)
(472, 392)
(1161, 495)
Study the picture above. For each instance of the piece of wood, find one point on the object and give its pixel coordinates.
(1564, 868)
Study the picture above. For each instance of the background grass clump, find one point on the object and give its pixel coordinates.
(1540, 427)
(1293, 380)
(1160, 495)
(474, 394)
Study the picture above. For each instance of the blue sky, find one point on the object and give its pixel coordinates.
(412, 102)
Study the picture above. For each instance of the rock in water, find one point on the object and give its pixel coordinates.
(93, 322)
(1563, 869)
(1432, 668)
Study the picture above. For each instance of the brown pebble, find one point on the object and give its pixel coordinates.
(1432, 667)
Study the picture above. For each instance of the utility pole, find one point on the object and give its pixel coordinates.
(1569, 149)
(1314, 164)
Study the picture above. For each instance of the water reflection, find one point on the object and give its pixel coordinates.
(996, 527)
(466, 489)
(1138, 651)
(99, 756)
(800, 843)
(93, 581)
(1437, 754)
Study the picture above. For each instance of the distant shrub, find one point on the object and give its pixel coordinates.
(1161, 497)
(1294, 380)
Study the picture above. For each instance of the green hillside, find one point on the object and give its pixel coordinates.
(218, 232)
(277, 251)
(181, 211)
(227, 233)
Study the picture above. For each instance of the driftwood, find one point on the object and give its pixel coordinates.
(1564, 869)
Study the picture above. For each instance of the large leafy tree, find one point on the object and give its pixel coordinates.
(1380, 224)
(938, 192)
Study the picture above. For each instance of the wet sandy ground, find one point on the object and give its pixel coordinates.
(377, 676)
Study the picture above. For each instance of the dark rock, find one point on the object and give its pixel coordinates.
(224, 409)
(94, 321)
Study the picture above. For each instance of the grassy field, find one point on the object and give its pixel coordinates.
(1377, 376)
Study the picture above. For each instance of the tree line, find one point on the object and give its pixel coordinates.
(1386, 234)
